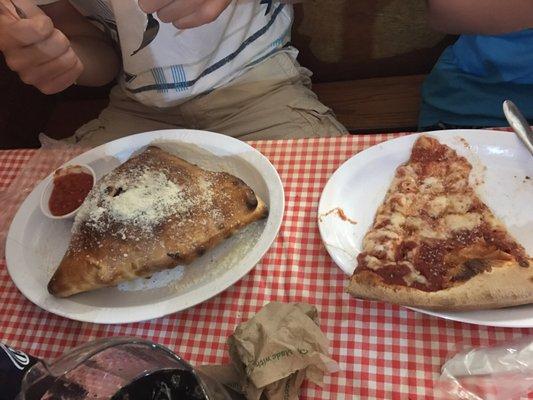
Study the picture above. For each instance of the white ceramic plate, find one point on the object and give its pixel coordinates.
(36, 244)
(359, 186)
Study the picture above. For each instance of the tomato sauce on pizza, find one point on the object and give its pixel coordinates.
(432, 233)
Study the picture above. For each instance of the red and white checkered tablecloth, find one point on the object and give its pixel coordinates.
(384, 351)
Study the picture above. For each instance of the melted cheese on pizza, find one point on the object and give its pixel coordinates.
(432, 224)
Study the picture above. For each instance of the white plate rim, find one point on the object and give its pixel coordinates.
(201, 294)
(464, 317)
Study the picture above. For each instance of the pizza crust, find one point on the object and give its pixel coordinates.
(506, 284)
(445, 232)
(103, 254)
(89, 269)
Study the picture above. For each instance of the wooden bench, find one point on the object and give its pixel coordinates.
(68, 116)
(376, 104)
(366, 105)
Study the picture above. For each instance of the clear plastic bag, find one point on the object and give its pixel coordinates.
(503, 372)
(51, 155)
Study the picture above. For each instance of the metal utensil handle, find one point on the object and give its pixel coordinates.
(518, 123)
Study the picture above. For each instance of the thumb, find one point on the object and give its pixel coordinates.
(28, 6)
(36, 27)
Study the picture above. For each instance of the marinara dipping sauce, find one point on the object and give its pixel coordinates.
(71, 186)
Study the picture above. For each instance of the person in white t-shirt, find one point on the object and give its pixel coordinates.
(220, 65)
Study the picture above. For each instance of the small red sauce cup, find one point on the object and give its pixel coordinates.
(50, 184)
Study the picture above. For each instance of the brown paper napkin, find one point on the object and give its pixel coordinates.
(274, 352)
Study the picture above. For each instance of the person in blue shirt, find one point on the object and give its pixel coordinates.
(491, 61)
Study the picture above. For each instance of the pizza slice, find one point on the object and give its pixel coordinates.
(434, 244)
(151, 213)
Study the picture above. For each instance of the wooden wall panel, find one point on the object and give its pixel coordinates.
(355, 39)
